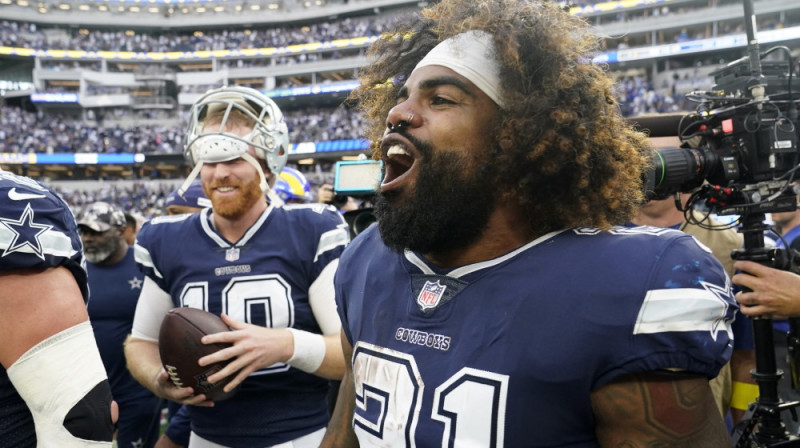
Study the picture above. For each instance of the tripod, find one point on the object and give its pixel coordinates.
(762, 425)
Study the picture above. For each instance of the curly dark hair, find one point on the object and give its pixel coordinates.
(575, 161)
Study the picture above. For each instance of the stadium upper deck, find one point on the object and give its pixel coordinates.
(65, 57)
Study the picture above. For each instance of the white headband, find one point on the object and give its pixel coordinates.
(472, 55)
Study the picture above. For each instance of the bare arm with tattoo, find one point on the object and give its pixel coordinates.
(658, 410)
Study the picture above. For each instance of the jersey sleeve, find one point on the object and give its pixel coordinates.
(38, 230)
(333, 237)
(684, 320)
(145, 251)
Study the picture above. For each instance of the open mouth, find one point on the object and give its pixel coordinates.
(398, 161)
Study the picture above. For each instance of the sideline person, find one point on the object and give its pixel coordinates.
(115, 283)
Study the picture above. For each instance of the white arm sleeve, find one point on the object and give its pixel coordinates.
(321, 298)
(153, 304)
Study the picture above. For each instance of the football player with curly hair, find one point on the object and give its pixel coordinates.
(498, 301)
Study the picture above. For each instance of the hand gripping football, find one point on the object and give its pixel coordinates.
(180, 348)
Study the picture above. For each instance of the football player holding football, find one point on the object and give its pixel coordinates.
(497, 302)
(266, 269)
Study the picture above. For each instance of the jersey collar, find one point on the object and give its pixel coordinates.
(429, 269)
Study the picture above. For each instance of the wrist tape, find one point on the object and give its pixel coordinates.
(309, 350)
(64, 384)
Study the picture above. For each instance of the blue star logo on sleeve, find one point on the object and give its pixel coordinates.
(135, 282)
(25, 234)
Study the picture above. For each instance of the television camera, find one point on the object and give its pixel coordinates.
(739, 146)
(739, 156)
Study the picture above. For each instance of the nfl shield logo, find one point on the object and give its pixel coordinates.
(430, 295)
(232, 254)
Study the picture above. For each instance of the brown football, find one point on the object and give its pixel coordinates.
(180, 348)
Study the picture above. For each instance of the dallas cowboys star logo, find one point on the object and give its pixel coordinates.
(25, 234)
(722, 322)
(135, 282)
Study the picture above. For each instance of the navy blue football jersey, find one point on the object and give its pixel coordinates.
(262, 279)
(506, 352)
(115, 291)
(37, 231)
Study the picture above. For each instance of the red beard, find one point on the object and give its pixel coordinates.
(236, 207)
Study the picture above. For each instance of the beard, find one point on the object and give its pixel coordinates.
(102, 251)
(449, 207)
(238, 206)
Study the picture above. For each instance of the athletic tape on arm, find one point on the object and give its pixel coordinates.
(54, 377)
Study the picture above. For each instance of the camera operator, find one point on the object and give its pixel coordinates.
(326, 195)
(773, 291)
(740, 148)
(776, 293)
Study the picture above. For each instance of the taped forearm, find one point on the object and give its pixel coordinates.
(64, 384)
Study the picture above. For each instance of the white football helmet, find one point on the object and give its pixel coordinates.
(269, 137)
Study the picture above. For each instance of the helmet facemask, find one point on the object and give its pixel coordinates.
(212, 141)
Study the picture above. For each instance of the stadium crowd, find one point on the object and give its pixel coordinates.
(147, 199)
(143, 200)
(22, 131)
(637, 96)
(51, 37)
(42, 37)
(56, 133)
